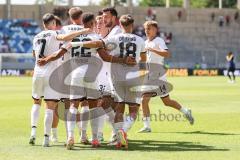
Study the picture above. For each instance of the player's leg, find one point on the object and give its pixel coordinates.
(34, 120)
(83, 123)
(37, 93)
(228, 74)
(131, 118)
(119, 124)
(94, 121)
(107, 103)
(54, 136)
(102, 120)
(146, 113)
(48, 120)
(66, 102)
(174, 104)
(71, 121)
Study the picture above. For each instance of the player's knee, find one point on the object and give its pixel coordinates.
(37, 101)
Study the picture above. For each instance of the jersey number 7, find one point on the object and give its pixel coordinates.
(42, 42)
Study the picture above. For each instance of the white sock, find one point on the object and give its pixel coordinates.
(118, 126)
(146, 122)
(33, 132)
(71, 121)
(128, 123)
(54, 132)
(94, 124)
(65, 120)
(48, 119)
(84, 120)
(101, 121)
(184, 110)
(34, 118)
(111, 117)
(79, 127)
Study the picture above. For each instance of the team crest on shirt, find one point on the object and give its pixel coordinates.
(110, 46)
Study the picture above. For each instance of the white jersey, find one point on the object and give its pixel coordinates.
(44, 44)
(159, 44)
(125, 44)
(66, 30)
(88, 55)
(115, 30)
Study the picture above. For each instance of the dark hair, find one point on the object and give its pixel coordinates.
(111, 10)
(100, 13)
(47, 18)
(75, 12)
(58, 21)
(230, 53)
(87, 17)
(126, 20)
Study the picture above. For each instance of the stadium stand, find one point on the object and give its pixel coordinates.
(196, 37)
(17, 35)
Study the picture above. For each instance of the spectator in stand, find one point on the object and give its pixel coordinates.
(236, 16)
(228, 20)
(154, 15)
(179, 15)
(213, 17)
(151, 15)
(221, 21)
(5, 46)
(169, 38)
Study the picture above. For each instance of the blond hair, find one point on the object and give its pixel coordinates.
(150, 23)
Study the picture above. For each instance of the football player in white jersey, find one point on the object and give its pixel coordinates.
(45, 43)
(87, 57)
(75, 14)
(156, 52)
(102, 31)
(125, 45)
(110, 18)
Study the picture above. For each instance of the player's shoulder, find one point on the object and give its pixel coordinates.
(45, 33)
(117, 29)
(139, 39)
(159, 40)
(94, 35)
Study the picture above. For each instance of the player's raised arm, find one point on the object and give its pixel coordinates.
(52, 57)
(70, 36)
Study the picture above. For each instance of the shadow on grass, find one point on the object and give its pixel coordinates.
(152, 146)
(203, 132)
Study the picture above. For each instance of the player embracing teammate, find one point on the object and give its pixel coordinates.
(106, 68)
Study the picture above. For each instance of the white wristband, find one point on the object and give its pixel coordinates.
(77, 44)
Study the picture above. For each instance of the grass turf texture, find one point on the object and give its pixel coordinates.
(215, 135)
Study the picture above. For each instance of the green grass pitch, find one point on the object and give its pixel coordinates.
(215, 135)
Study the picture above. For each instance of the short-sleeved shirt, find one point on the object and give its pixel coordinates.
(88, 55)
(123, 45)
(44, 44)
(159, 44)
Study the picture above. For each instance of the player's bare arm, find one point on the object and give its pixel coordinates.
(52, 57)
(114, 59)
(70, 36)
(163, 53)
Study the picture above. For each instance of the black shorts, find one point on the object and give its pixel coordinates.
(231, 69)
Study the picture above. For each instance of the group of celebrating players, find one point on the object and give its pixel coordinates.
(102, 66)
